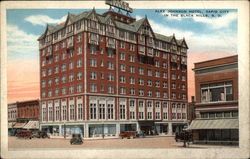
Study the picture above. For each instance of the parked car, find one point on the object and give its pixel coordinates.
(24, 134)
(76, 139)
(183, 136)
(40, 134)
(128, 134)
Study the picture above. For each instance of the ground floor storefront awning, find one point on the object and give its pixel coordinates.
(202, 124)
(32, 125)
(19, 125)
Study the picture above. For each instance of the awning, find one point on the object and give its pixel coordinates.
(11, 124)
(19, 125)
(214, 124)
(32, 125)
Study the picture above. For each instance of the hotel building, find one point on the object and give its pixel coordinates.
(102, 74)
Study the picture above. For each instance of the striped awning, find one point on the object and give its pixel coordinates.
(19, 125)
(214, 124)
(32, 125)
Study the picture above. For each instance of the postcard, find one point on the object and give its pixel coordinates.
(145, 79)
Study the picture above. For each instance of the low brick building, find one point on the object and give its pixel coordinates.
(216, 107)
(28, 110)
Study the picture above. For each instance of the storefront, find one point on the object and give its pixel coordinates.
(102, 130)
(217, 131)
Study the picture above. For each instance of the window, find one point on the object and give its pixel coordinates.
(101, 111)
(93, 49)
(183, 78)
(79, 75)
(149, 82)
(71, 89)
(43, 94)
(93, 62)
(79, 36)
(79, 88)
(71, 77)
(165, 115)
(141, 81)
(157, 84)
(43, 62)
(141, 104)
(131, 47)
(122, 79)
(165, 94)
(165, 84)
(157, 94)
(183, 96)
(141, 92)
(71, 65)
(165, 75)
(79, 112)
(64, 55)
(122, 44)
(149, 93)
(122, 111)
(49, 82)
(150, 72)
(157, 115)
(110, 111)
(110, 89)
(57, 113)
(110, 65)
(164, 55)
(111, 53)
(122, 56)
(122, 67)
(122, 90)
(63, 44)
(93, 87)
(49, 71)
(149, 115)
(173, 86)
(63, 79)
(132, 69)
(44, 114)
(132, 80)
(157, 74)
(71, 53)
(221, 91)
(132, 103)
(56, 69)
(64, 112)
(50, 113)
(141, 115)
(110, 77)
(92, 110)
(157, 64)
(149, 104)
(43, 83)
(157, 104)
(164, 65)
(174, 95)
(132, 115)
(131, 58)
(79, 62)
(63, 67)
(132, 91)
(56, 80)
(173, 76)
(93, 75)
(72, 112)
(79, 50)
(157, 54)
(141, 71)
(102, 75)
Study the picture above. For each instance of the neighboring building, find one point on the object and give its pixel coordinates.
(216, 107)
(23, 115)
(12, 112)
(102, 74)
(191, 110)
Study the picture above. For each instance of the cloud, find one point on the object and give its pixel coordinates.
(219, 22)
(18, 41)
(44, 19)
(224, 40)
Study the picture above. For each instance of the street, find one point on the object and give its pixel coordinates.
(149, 142)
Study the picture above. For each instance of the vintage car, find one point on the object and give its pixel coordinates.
(40, 134)
(183, 136)
(76, 139)
(26, 134)
(128, 134)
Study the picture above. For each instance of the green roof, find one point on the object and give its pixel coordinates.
(133, 27)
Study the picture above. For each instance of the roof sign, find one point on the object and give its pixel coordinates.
(120, 5)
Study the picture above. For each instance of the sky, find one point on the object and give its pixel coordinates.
(209, 34)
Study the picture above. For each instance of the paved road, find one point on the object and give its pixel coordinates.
(152, 142)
